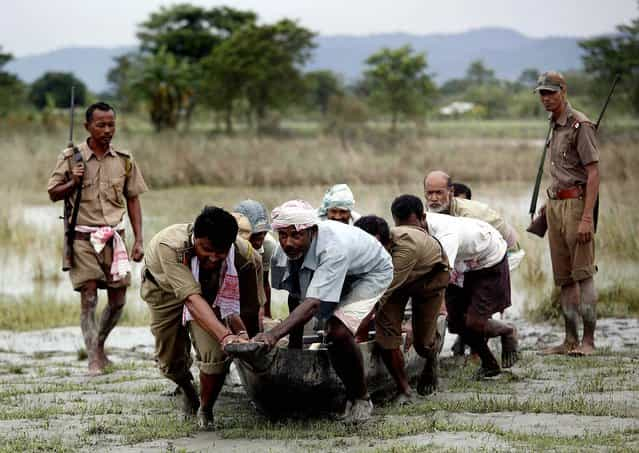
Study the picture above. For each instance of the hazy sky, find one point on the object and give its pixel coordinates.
(35, 26)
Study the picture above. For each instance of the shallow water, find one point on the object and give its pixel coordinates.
(37, 274)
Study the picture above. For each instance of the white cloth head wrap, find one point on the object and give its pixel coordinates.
(339, 196)
(297, 213)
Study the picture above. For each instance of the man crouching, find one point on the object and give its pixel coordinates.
(338, 272)
(421, 274)
(190, 281)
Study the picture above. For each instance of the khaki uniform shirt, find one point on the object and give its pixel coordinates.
(168, 259)
(460, 207)
(572, 146)
(107, 183)
(415, 253)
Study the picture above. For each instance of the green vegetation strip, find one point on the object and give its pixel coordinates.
(237, 428)
(566, 404)
(34, 313)
(24, 443)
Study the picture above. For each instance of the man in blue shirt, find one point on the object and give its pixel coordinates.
(338, 272)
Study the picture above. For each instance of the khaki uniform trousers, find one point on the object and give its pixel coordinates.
(172, 339)
(427, 295)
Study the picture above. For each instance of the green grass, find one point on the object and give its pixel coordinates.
(32, 313)
(292, 429)
(480, 404)
(616, 441)
(151, 427)
(619, 300)
(25, 442)
(16, 369)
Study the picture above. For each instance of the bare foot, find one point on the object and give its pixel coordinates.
(583, 350)
(561, 349)
(96, 368)
(401, 399)
(509, 350)
(429, 379)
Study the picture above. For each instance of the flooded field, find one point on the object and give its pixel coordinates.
(30, 261)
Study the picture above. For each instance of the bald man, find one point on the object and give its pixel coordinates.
(439, 195)
(438, 192)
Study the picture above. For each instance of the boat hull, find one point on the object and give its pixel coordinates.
(292, 381)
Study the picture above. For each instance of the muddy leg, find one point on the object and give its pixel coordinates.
(474, 335)
(588, 311)
(210, 388)
(509, 353)
(569, 300)
(189, 401)
(429, 379)
(108, 320)
(489, 366)
(346, 359)
(394, 361)
(89, 300)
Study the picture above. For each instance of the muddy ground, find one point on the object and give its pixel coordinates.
(47, 403)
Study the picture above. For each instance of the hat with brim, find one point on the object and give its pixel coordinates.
(550, 81)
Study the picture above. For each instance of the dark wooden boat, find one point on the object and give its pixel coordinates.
(286, 382)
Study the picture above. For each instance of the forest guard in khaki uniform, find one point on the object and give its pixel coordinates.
(111, 183)
(195, 278)
(574, 168)
(420, 272)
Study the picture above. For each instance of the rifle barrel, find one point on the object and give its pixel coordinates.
(605, 106)
(71, 114)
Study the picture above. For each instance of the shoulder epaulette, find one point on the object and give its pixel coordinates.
(579, 118)
(126, 155)
(184, 254)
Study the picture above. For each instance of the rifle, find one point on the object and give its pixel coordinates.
(70, 214)
(539, 225)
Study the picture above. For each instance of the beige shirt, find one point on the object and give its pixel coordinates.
(107, 183)
(415, 253)
(168, 257)
(460, 207)
(572, 146)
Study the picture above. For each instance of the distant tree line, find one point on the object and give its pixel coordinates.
(221, 60)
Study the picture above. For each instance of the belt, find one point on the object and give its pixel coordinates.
(149, 276)
(81, 236)
(566, 194)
